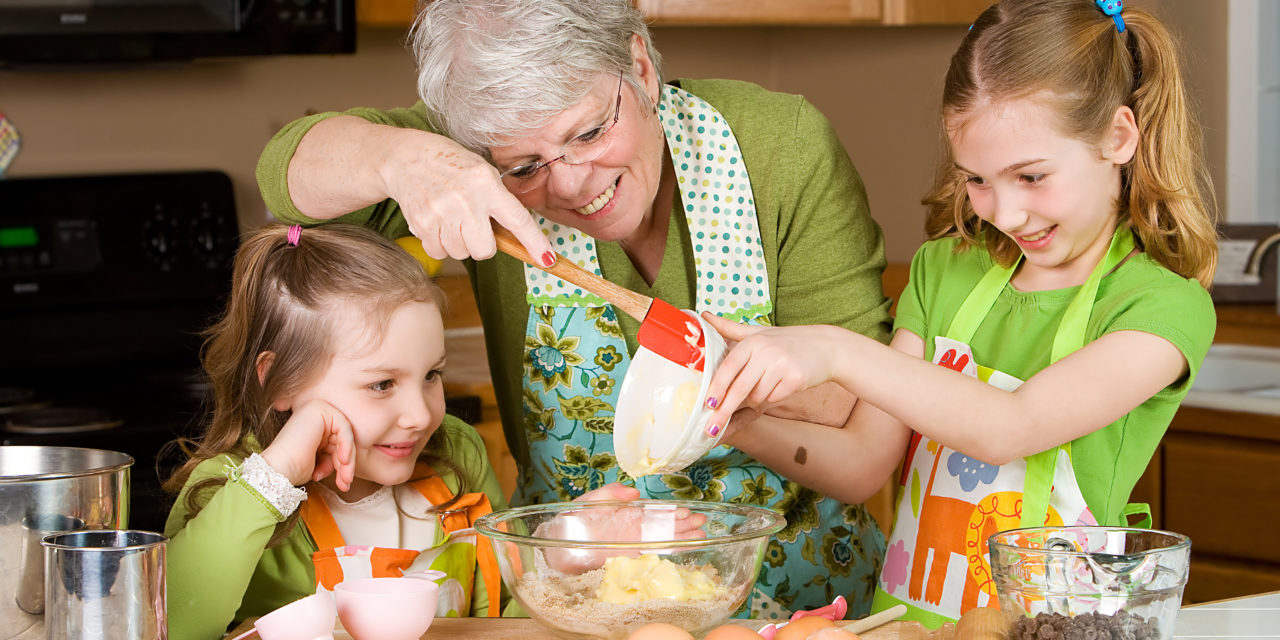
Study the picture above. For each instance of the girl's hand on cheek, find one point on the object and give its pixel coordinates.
(315, 442)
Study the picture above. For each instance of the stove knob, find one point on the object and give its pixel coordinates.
(159, 240)
(209, 237)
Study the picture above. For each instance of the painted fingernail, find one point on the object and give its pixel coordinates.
(712, 402)
(548, 259)
(714, 430)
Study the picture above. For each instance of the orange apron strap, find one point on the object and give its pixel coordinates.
(320, 522)
(324, 530)
(463, 515)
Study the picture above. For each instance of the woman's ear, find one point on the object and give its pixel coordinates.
(1122, 143)
(642, 67)
(263, 365)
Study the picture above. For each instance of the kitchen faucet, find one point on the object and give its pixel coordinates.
(1253, 267)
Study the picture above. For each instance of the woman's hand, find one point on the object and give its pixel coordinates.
(448, 196)
(314, 442)
(766, 366)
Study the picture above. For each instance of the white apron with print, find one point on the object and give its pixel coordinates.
(937, 562)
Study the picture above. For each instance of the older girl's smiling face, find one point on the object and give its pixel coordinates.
(610, 197)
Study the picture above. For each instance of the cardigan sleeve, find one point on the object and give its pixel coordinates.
(273, 169)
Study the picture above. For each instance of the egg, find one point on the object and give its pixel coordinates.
(732, 632)
(833, 633)
(801, 628)
(660, 631)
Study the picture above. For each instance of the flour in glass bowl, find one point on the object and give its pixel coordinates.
(570, 603)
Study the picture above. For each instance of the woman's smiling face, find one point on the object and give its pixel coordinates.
(609, 197)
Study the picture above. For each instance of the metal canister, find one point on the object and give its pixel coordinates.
(105, 585)
(43, 489)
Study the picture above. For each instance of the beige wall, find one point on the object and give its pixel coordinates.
(879, 87)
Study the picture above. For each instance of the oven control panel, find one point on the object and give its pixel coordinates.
(112, 268)
(115, 238)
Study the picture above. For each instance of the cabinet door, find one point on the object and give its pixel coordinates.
(399, 13)
(1217, 579)
(1221, 493)
(385, 13)
(905, 12)
(759, 12)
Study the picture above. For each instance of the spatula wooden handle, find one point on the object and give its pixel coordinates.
(629, 302)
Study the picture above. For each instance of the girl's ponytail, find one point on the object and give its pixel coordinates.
(1167, 190)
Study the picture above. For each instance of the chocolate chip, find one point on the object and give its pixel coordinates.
(1089, 626)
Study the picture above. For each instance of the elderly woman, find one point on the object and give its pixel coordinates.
(710, 194)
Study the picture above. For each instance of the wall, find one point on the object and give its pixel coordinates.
(1202, 27)
(879, 87)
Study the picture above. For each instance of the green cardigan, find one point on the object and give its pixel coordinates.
(823, 251)
(221, 571)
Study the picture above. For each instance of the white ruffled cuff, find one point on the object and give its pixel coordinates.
(272, 485)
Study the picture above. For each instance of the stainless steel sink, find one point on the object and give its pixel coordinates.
(1238, 377)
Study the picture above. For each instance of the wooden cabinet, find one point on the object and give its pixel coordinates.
(811, 12)
(385, 13)
(399, 13)
(1213, 479)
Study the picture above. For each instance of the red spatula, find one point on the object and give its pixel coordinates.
(664, 329)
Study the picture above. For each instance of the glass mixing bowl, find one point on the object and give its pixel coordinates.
(1091, 576)
(603, 569)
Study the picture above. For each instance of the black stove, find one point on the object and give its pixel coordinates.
(106, 283)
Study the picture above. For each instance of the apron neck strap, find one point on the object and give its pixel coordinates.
(1075, 321)
(1071, 331)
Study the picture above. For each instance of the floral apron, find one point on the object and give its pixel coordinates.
(937, 563)
(575, 353)
(456, 552)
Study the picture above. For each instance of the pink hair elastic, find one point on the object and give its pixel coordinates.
(295, 233)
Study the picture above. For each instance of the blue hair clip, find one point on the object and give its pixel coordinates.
(1113, 8)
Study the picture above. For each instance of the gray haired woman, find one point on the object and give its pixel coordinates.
(552, 119)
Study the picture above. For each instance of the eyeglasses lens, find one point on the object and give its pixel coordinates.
(583, 148)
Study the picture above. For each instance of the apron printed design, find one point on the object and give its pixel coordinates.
(575, 356)
(937, 562)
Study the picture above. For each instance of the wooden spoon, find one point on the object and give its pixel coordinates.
(664, 329)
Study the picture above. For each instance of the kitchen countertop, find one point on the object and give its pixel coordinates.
(528, 629)
(1250, 617)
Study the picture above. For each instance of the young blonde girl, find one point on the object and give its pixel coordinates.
(1071, 241)
(328, 454)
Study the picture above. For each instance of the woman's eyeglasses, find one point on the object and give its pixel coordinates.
(582, 149)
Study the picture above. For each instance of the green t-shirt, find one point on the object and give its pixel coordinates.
(823, 252)
(1017, 334)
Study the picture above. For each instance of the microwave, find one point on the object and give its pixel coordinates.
(60, 33)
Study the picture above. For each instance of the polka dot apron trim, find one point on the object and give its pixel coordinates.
(715, 191)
